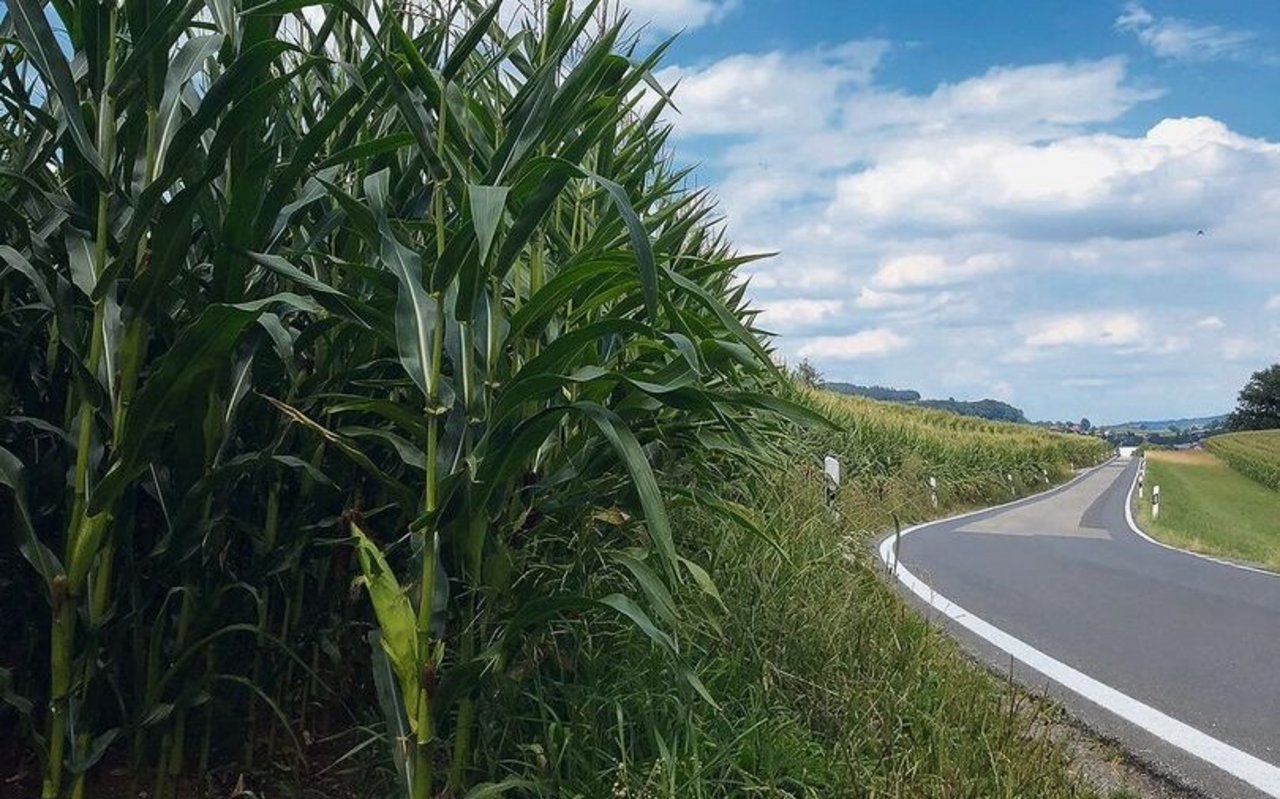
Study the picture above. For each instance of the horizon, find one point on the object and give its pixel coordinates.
(1036, 420)
(1072, 218)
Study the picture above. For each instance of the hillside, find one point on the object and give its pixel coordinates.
(882, 393)
(983, 409)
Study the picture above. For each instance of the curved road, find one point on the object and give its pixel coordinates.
(1174, 655)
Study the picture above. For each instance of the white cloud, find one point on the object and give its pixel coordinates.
(1210, 323)
(1121, 333)
(790, 314)
(1091, 329)
(863, 344)
(1021, 102)
(911, 271)
(776, 277)
(771, 91)
(1273, 304)
(669, 16)
(982, 215)
(1182, 176)
(1134, 17)
(1183, 40)
(872, 300)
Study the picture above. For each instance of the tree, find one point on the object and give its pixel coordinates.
(1085, 424)
(1258, 406)
(808, 374)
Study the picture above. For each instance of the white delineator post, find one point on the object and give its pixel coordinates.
(1140, 479)
(1155, 502)
(1012, 491)
(831, 470)
(933, 491)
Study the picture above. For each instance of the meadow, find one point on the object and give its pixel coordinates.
(1207, 506)
(380, 415)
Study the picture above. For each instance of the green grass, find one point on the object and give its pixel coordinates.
(1207, 507)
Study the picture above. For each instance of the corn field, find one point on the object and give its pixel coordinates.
(294, 292)
(1256, 455)
(973, 460)
(353, 356)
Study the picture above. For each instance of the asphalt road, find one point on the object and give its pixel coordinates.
(1173, 655)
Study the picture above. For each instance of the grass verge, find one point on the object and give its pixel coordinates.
(1207, 507)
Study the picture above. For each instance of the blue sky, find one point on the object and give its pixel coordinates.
(998, 199)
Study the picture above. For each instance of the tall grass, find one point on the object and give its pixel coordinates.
(304, 297)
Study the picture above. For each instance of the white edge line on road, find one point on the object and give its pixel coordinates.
(1242, 765)
(1133, 525)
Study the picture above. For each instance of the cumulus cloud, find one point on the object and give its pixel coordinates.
(1273, 304)
(910, 271)
(751, 93)
(1181, 176)
(1122, 333)
(675, 15)
(784, 315)
(863, 344)
(1210, 323)
(1005, 218)
(1184, 40)
(1094, 329)
(872, 300)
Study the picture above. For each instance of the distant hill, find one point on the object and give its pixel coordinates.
(1160, 425)
(984, 409)
(874, 392)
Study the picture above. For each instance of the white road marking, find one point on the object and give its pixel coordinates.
(1240, 764)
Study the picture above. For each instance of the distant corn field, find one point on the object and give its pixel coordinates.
(1254, 454)
(300, 297)
(967, 456)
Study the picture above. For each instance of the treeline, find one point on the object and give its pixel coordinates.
(985, 409)
(882, 393)
(982, 409)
